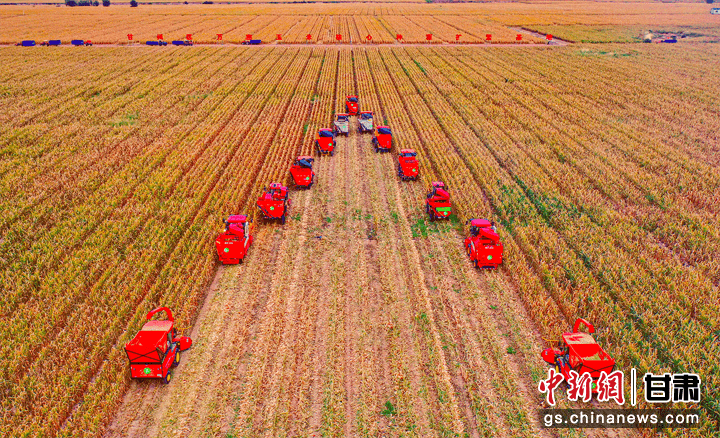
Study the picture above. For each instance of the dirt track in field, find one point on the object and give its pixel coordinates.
(357, 301)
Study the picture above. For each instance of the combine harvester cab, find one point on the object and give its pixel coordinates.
(382, 139)
(341, 124)
(302, 173)
(325, 141)
(366, 122)
(578, 351)
(438, 204)
(233, 245)
(274, 202)
(352, 105)
(156, 348)
(483, 245)
(408, 166)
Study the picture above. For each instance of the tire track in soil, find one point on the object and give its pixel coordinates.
(456, 334)
(263, 346)
(476, 317)
(446, 409)
(414, 276)
(334, 393)
(410, 342)
(298, 330)
(247, 329)
(210, 418)
(327, 180)
(298, 401)
(207, 418)
(380, 379)
(351, 306)
(352, 253)
(375, 366)
(278, 372)
(329, 167)
(364, 297)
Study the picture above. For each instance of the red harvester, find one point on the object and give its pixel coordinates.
(274, 202)
(352, 105)
(156, 348)
(581, 353)
(382, 139)
(438, 204)
(234, 243)
(408, 166)
(302, 173)
(483, 245)
(325, 141)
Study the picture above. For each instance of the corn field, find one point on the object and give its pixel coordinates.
(359, 317)
(228, 24)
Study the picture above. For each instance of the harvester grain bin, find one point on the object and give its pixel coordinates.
(438, 204)
(483, 245)
(325, 141)
(366, 122)
(233, 245)
(156, 348)
(578, 351)
(382, 139)
(274, 202)
(302, 173)
(408, 166)
(341, 125)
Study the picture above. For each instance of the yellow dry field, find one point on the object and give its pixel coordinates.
(574, 21)
(353, 22)
(359, 317)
